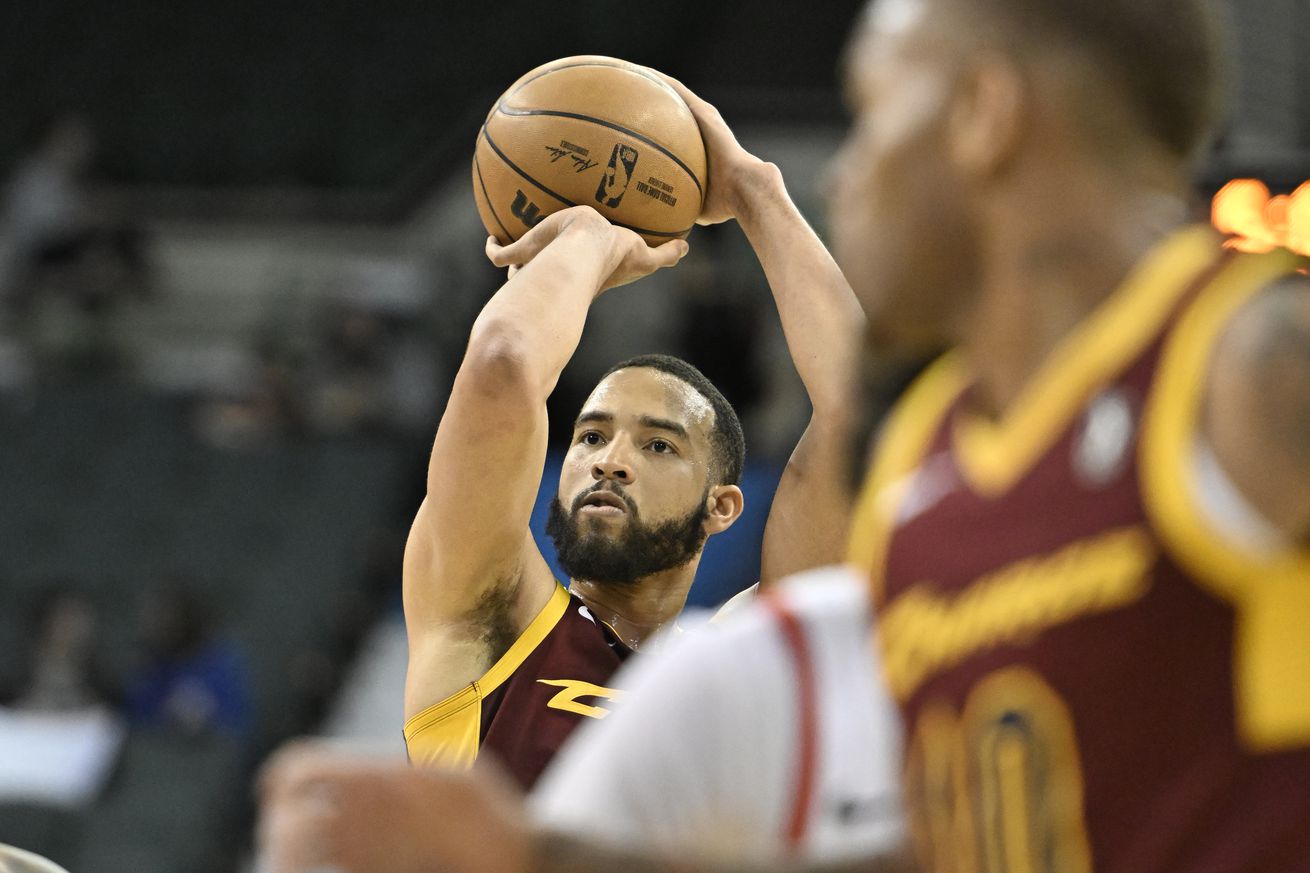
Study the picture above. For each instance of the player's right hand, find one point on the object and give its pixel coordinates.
(625, 256)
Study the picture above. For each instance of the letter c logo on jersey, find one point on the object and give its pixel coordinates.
(572, 689)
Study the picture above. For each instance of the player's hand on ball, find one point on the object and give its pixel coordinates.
(627, 256)
(325, 809)
(733, 171)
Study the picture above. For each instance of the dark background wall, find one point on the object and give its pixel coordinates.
(340, 94)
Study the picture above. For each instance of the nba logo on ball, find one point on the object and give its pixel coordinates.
(617, 175)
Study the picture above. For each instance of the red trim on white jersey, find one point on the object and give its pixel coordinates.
(793, 634)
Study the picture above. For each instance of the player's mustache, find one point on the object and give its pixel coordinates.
(616, 490)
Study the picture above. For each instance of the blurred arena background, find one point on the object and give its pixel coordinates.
(238, 262)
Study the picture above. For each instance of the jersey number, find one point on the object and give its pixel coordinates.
(998, 788)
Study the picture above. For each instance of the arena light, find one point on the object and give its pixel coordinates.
(1256, 222)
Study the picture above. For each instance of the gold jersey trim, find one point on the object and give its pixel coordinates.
(898, 453)
(447, 733)
(994, 454)
(1271, 594)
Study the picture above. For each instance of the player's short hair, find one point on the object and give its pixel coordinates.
(1168, 56)
(727, 442)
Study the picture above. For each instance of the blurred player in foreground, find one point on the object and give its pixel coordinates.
(15, 860)
(504, 657)
(1089, 527)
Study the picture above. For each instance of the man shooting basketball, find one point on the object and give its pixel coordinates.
(502, 655)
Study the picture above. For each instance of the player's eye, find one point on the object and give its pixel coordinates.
(591, 438)
(662, 447)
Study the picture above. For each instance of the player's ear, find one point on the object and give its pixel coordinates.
(725, 503)
(987, 117)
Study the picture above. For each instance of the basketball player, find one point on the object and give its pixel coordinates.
(1089, 527)
(503, 656)
(777, 669)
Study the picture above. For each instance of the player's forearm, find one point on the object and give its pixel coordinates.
(531, 327)
(558, 853)
(821, 318)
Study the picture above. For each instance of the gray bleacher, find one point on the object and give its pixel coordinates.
(105, 485)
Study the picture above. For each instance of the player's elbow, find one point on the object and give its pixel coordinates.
(496, 360)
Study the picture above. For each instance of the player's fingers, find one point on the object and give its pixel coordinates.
(496, 253)
(297, 833)
(707, 114)
(667, 254)
(688, 96)
(306, 766)
(526, 247)
(286, 768)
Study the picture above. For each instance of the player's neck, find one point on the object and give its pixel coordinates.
(636, 611)
(1053, 269)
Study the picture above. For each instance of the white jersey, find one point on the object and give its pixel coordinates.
(765, 735)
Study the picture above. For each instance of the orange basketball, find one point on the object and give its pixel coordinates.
(590, 130)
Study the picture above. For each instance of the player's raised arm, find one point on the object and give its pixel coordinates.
(823, 325)
(469, 553)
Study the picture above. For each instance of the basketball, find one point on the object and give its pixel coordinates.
(592, 131)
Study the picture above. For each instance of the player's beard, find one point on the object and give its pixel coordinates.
(639, 550)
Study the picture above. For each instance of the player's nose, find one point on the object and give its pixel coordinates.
(611, 465)
(621, 473)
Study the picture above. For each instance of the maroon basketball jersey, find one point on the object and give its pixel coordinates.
(1091, 676)
(526, 705)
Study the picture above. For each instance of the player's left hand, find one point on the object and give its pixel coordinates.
(734, 173)
(626, 257)
(322, 809)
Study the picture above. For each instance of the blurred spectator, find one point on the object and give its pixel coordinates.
(374, 373)
(194, 680)
(60, 739)
(350, 379)
(54, 239)
(270, 409)
(61, 673)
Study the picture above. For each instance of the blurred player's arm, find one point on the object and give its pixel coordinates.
(566, 853)
(823, 325)
(469, 550)
(1257, 417)
(323, 808)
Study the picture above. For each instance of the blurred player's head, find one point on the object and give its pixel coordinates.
(15, 860)
(653, 469)
(972, 116)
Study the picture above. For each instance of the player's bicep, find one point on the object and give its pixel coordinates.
(483, 477)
